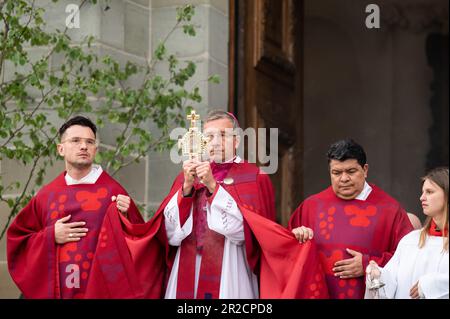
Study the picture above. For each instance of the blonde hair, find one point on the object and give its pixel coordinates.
(438, 176)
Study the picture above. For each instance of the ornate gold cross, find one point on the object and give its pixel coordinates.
(193, 117)
(193, 144)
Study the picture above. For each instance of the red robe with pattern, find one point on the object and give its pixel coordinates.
(372, 227)
(286, 269)
(43, 269)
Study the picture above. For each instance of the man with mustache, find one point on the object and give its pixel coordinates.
(351, 221)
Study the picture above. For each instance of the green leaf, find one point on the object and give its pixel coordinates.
(98, 157)
(189, 30)
(11, 202)
(126, 96)
(160, 51)
(214, 79)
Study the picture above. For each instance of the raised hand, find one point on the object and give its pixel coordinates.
(189, 170)
(205, 175)
(122, 202)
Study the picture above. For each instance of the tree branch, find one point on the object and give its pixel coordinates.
(5, 38)
(29, 116)
(138, 157)
(22, 195)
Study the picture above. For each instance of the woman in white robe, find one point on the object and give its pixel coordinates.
(420, 265)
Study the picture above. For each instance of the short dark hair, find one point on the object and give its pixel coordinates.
(347, 149)
(78, 120)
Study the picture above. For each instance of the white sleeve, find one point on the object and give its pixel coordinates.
(389, 273)
(224, 217)
(434, 285)
(175, 233)
(388, 277)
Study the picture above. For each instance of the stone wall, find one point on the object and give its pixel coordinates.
(129, 30)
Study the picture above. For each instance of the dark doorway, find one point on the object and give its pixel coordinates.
(437, 54)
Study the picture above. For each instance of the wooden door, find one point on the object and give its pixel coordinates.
(266, 82)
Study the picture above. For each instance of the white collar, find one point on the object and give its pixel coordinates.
(90, 178)
(365, 192)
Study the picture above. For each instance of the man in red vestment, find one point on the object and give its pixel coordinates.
(222, 242)
(352, 222)
(204, 224)
(53, 243)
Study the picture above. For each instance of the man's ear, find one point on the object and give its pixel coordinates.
(60, 148)
(366, 170)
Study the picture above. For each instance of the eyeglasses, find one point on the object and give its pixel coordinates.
(77, 141)
(220, 135)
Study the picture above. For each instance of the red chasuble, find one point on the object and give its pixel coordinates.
(372, 227)
(286, 269)
(43, 269)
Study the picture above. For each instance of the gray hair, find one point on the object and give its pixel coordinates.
(220, 114)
